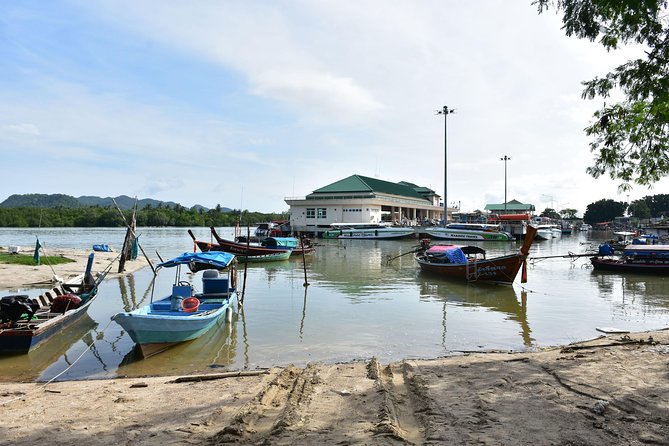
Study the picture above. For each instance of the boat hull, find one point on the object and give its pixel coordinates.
(157, 327)
(618, 265)
(380, 233)
(28, 337)
(243, 251)
(467, 234)
(499, 270)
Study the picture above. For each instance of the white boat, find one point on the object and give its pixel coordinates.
(367, 231)
(556, 230)
(545, 232)
(585, 227)
(469, 231)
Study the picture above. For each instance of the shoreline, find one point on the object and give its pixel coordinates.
(15, 277)
(610, 390)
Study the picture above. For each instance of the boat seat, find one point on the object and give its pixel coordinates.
(218, 285)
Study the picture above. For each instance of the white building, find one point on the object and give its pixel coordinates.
(359, 199)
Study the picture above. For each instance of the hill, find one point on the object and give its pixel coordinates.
(67, 201)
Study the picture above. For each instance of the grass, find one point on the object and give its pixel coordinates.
(23, 259)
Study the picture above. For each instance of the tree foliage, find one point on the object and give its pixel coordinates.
(550, 213)
(630, 137)
(639, 209)
(658, 205)
(96, 216)
(568, 213)
(604, 210)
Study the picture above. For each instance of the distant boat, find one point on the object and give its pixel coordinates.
(297, 246)
(585, 227)
(28, 323)
(469, 231)
(183, 315)
(368, 231)
(643, 259)
(244, 252)
(548, 232)
(469, 263)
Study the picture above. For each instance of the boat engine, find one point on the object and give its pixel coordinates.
(13, 307)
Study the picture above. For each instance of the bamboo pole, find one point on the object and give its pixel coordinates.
(304, 263)
(132, 231)
(246, 262)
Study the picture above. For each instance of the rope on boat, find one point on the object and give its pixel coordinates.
(43, 386)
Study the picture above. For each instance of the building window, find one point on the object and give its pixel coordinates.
(311, 212)
(322, 213)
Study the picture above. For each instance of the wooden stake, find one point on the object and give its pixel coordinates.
(304, 263)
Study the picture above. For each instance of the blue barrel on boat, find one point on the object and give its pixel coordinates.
(605, 249)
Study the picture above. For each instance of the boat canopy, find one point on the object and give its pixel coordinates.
(281, 242)
(656, 251)
(216, 259)
(453, 253)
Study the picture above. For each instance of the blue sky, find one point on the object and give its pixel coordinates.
(245, 103)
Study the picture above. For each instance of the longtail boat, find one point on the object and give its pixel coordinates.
(644, 259)
(298, 246)
(468, 263)
(243, 251)
(26, 323)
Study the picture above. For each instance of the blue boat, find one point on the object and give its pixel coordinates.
(184, 315)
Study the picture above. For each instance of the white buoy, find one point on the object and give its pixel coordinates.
(228, 314)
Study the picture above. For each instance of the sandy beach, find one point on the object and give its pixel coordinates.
(21, 276)
(611, 390)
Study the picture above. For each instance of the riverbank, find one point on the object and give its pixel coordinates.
(611, 390)
(21, 276)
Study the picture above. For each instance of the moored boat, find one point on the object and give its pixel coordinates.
(244, 251)
(469, 231)
(298, 247)
(470, 264)
(368, 231)
(183, 315)
(545, 232)
(28, 323)
(643, 259)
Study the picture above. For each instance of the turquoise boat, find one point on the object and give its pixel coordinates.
(184, 315)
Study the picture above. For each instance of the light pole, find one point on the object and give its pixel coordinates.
(505, 159)
(445, 111)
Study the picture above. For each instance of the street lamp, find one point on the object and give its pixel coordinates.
(505, 159)
(445, 111)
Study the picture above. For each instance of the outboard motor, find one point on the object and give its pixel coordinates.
(13, 307)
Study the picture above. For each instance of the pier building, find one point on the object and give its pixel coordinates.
(360, 199)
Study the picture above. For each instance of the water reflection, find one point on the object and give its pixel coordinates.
(499, 298)
(216, 348)
(35, 364)
(646, 290)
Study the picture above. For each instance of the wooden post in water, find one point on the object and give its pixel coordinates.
(131, 231)
(304, 263)
(246, 263)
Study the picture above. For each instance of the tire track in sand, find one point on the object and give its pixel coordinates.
(273, 410)
(407, 413)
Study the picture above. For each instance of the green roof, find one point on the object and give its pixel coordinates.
(513, 205)
(358, 183)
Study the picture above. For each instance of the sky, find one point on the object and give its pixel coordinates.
(244, 104)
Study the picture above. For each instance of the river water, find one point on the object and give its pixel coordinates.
(357, 306)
